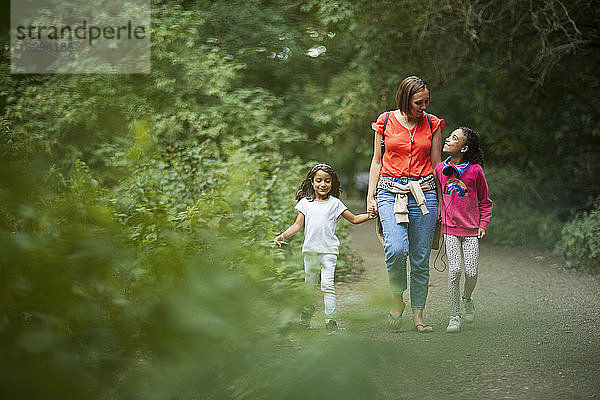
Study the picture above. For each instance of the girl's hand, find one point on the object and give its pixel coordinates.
(279, 240)
(481, 233)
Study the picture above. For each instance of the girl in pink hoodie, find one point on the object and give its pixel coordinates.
(466, 211)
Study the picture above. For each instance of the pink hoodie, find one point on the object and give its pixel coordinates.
(466, 205)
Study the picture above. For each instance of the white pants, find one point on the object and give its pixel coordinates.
(460, 248)
(325, 262)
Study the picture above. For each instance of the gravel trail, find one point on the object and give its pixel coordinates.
(535, 336)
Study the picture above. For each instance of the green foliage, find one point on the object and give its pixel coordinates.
(519, 218)
(137, 214)
(580, 241)
(137, 211)
(91, 314)
(514, 71)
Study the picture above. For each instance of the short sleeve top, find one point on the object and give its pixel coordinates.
(403, 156)
(320, 222)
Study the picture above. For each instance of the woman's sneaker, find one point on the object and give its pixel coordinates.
(469, 310)
(454, 325)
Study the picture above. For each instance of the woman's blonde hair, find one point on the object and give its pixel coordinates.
(408, 87)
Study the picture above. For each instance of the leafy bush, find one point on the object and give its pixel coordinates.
(519, 217)
(136, 214)
(580, 241)
(94, 312)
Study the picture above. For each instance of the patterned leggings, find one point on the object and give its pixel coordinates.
(468, 248)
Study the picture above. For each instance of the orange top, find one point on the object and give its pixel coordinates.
(402, 157)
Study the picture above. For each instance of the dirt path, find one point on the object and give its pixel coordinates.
(536, 333)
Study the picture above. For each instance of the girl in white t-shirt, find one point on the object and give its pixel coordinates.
(320, 207)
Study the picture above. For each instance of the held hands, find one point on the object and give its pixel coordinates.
(481, 233)
(372, 208)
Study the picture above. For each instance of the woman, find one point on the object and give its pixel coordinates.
(402, 190)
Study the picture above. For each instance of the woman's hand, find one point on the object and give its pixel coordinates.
(481, 233)
(372, 207)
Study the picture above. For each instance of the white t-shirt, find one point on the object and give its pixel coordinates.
(320, 219)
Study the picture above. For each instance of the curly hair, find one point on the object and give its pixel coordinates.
(474, 155)
(305, 189)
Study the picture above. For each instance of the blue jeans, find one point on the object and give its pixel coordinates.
(408, 240)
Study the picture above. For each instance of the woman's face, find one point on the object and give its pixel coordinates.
(418, 104)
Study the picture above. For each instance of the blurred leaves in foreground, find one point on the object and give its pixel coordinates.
(92, 311)
(136, 214)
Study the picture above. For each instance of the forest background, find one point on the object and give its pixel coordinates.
(137, 211)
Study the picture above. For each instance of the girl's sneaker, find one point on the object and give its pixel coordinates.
(469, 310)
(454, 325)
(305, 318)
(331, 326)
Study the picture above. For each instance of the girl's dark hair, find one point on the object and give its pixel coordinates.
(474, 155)
(306, 189)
